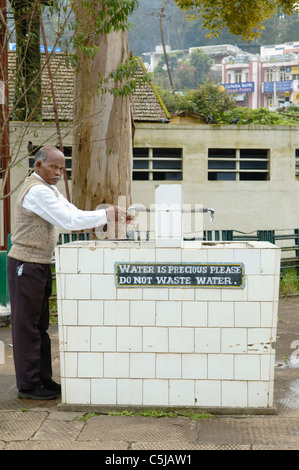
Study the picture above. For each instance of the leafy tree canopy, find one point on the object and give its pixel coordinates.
(243, 18)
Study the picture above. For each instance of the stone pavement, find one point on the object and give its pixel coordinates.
(38, 425)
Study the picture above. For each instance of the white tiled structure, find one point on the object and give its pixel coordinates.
(178, 347)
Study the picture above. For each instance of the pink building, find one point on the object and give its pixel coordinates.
(270, 79)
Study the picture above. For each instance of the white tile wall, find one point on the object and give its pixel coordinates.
(201, 347)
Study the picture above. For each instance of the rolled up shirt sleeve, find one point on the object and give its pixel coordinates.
(58, 211)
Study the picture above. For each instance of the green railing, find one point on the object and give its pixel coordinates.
(287, 240)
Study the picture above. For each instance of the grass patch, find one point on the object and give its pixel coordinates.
(289, 283)
(148, 413)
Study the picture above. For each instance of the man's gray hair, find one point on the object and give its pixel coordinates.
(40, 155)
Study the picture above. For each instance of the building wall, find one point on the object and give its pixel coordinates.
(239, 205)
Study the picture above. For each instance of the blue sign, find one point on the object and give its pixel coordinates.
(243, 87)
(286, 85)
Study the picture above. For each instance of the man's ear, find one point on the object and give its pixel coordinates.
(38, 164)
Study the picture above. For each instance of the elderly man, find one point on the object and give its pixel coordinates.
(40, 209)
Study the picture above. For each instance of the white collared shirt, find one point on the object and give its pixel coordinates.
(47, 202)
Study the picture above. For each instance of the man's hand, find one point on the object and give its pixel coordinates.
(118, 215)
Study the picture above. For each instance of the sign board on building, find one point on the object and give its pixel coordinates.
(286, 85)
(243, 87)
(224, 275)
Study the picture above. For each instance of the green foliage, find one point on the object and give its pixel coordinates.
(152, 413)
(289, 283)
(209, 99)
(262, 116)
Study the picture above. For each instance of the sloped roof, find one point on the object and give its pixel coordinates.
(146, 104)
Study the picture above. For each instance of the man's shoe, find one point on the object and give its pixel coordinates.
(53, 386)
(38, 394)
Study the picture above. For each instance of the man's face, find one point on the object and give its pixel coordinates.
(52, 168)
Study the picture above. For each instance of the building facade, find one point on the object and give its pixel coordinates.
(270, 79)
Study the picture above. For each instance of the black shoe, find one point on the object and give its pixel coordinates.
(53, 386)
(38, 394)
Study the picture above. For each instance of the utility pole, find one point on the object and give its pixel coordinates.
(4, 124)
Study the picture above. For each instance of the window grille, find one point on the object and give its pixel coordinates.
(238, 165)
(154, 164)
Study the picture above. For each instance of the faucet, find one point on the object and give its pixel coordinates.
(212, 212)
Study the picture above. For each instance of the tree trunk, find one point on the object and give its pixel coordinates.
(28, 78)
(102, 144)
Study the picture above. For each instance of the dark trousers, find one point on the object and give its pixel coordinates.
(30, 286)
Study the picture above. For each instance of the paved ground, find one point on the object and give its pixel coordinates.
(38, 425)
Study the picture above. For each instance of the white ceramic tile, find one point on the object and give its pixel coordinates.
(143, 313)
(234, 340)
(199, 255)
(261, 288)
(129, 339)
(153, 293)
(103, 338)
(116, 365)
(142, 365)
(181, 294)
(208, 294)
(208, 392)
(155, 392)
(220, 255)
(90, 260)
(129, 392)
(103, 287)
(60, 286)
(235, 294)
(116, 312)
(68, 260)
(168, 313)
(69, 312)
(90, 364)
(194, 313)
(220, 366)
(168, 255)
(207, 340)
(77, 286)
(234, 393)
(155, 339)
(168, 366)
(77, 391)
(103, 391)
(181, 393)
(247, 314)
(128, 294)
(112, 256)
(143, 255)
(260, 340)
(247, 367)
(221, 314)
(90, 312)
(268, 261)
(78, 338)
(259, 394)
(70, 364)
(268, 314)
(267, 367)
(181, 340)
(251, 258)
(194, 366)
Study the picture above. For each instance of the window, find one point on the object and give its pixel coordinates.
(269, 76)
(238, 76)
(68, 159)
(238, 165)
(157, 164)
(282, 75)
